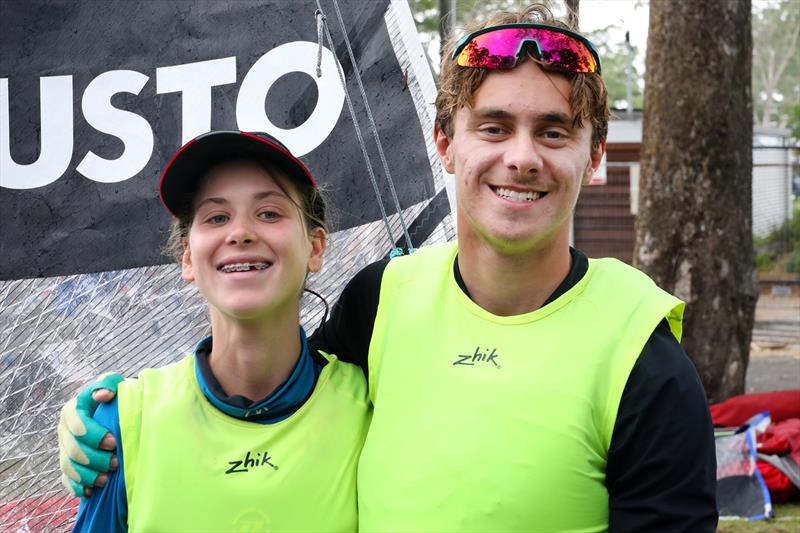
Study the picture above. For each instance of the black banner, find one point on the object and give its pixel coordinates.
(96, 96)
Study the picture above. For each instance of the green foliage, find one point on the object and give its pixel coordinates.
(776, 61)
(426, 15)
(794, 121)
(793, 264)
(615, 57)
(780, 247)
(793, 227)
(765, 261)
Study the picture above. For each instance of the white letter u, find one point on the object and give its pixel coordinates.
(55, 93)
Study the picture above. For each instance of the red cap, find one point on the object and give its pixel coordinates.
(190, 163)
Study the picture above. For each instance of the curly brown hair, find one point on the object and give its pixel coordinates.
(312, 207)
(457, 85)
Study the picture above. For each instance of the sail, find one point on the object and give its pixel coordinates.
(94, 97)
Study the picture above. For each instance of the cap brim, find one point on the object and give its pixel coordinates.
(189, 165)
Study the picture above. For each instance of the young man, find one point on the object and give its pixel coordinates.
(517, 385)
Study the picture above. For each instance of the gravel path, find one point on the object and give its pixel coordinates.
(775, 350)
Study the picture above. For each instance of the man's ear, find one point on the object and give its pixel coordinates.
(187, 272)
(319, 240)
(595, 158)
(444, 147)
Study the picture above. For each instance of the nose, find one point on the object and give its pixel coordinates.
(240, 231)
(522, 155)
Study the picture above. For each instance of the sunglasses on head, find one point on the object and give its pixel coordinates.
(499, 47)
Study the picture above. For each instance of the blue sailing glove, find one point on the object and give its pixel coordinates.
(80, 457)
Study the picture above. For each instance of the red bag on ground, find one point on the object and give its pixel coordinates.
(780, 438)
(735, 411)
(780, 486)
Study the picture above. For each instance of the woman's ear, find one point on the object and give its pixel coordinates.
(319, 240)
(187, 272)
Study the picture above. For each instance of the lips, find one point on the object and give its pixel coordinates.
(518, 196)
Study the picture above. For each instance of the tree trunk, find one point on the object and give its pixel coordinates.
(694, 227)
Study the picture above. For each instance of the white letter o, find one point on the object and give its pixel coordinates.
(296, 56)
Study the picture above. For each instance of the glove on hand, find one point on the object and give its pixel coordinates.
(79, 436)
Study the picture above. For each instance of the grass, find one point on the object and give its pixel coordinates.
(787, 520)
(780, 250)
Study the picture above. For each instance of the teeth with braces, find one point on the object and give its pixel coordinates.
(528, 196)
(243, 267)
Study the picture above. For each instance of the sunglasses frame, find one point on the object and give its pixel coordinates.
(464, 41)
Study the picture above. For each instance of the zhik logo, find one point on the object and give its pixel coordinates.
(478, 357)
(244, 465)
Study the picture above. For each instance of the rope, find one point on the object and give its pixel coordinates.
(373, 126)
(320, 16)
(322, 23)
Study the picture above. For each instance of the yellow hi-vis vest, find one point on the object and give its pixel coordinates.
(491, 423)
(190, 467)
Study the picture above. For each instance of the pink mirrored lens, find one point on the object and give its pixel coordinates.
(500, 48)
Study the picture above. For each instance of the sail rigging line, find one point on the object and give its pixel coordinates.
(322, 22)
(374, 128)
(321, 19)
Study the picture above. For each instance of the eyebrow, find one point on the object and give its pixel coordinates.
(258, 196)
(501, 114)
(485, 113)
(555, 118)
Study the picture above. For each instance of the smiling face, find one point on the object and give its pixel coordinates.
(248, 248)
(518, 161)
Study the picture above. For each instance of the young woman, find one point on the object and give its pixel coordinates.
(240, 435)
